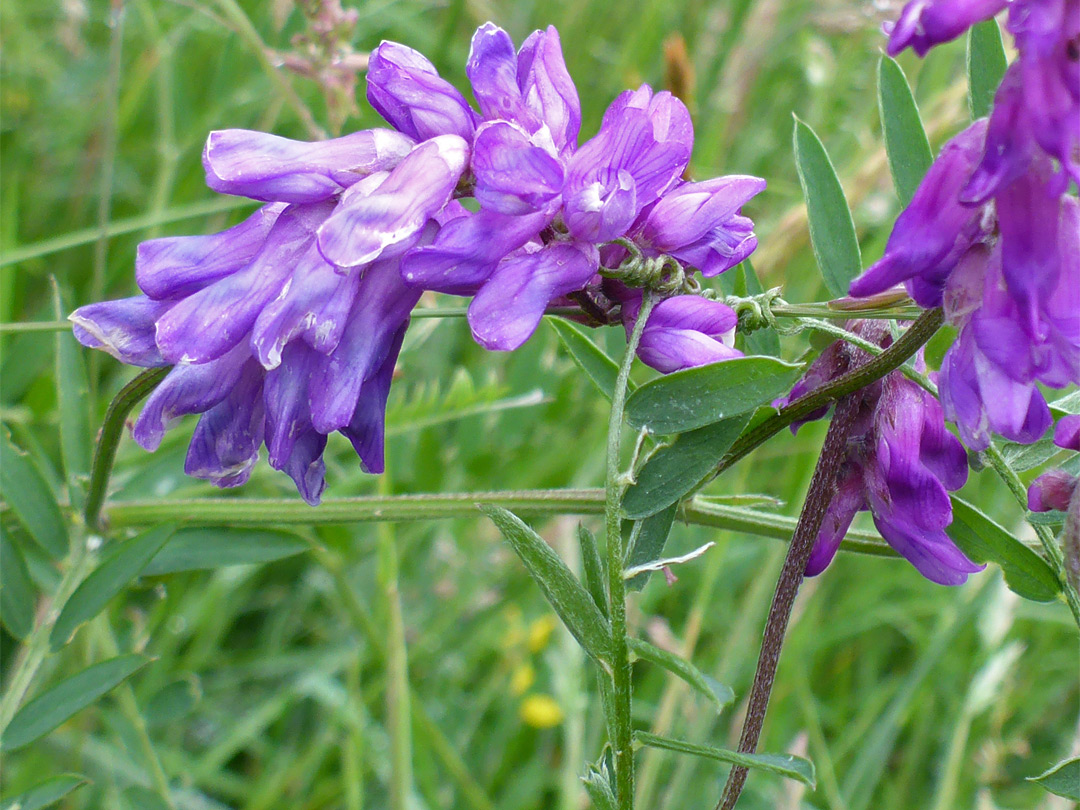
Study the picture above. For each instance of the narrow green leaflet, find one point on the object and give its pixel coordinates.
(986, 65)
(30, 498)
(114, 574)
(597, 781)
(173, 701)
(1062, 779)
(790, 767)
(569, 598)
(198, 549)
(673, 471)
(832, 230)
(651, 537)
(695, 397)
(906, 144)
(592, 568)
(45, 793)
(17, 595)
(58, 703)
(73, 397)
(598, 367)
(983, 540)
(711, 688)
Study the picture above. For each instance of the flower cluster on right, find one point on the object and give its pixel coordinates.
(992, 233)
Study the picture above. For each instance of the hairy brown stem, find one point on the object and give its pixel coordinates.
(818, 498)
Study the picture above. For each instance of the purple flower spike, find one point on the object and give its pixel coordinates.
(275, 169)
(406, 89)
(123, 328)
(176, 266)
(508, 308)
(933, 232)
(642, 148)
(389, 220)
(683, 331)
(926, 23)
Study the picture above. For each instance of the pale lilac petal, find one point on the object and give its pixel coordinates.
(207, 324)
(390, 219)
(185, 390)
(689, 211)
(124, 328)
(275, 169)
(510, 305)
(316, 304)
(225, 445)
(721, 248)
(492, 69)
(513, 176)
(548, 91)
(406, 89)
(467, 250)
(176, 266)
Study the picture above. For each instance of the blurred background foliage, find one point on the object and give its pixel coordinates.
(269, 683)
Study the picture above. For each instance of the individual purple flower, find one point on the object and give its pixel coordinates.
(530, 88)
(1056, 488)
(274, 169)
(900, 465)
(682, 331)
(406, 89)
(925, 23)
(271, 342)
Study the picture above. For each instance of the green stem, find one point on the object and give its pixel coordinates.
(37, 644)
(376, 508)
(109, 439)
(870, 348)
(1054, 554)
(622, 735)
(889, 360)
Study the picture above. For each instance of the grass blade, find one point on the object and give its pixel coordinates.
(30, 498)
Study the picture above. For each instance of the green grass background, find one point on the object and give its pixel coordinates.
(904, 693)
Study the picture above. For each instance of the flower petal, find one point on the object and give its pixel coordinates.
(124, 328)
(548, 91)
(366, 429)
(367, 226)
(225, 445)
(176, 266)
(513, 176)
(509, 306)
(275, 169)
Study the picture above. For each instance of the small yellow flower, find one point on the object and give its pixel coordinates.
(522, 679)
(541, 711)
(540, 633)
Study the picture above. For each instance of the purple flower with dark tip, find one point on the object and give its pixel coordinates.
(1056, 489)
(272, 343)
(900, 465)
